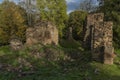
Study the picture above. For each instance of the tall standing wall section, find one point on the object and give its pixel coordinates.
(98, 38)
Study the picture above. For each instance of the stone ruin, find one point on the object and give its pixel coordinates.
(16, 44)
(98, 38)
(70, 34)
(43, 32)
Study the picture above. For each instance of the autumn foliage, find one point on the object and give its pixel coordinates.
(12, 22)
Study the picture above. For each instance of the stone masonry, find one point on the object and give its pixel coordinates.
(43, 32)
(98, 38)
(16, 44)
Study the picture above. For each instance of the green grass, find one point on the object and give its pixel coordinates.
(117, 51)
(70, 44)
(79, 68)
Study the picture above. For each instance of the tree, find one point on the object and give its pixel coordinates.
(76, 21)
(30, 7)
(12, 23)
(88, 5)
(54, 11)
(111, 9)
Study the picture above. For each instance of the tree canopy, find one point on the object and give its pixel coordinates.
(88, 5)
(54, 11)
(30, 8)
(76, 21)
(12, 23)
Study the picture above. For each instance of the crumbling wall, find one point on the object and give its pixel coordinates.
(108, 46)
(98, 38)
(43, 32)
(16, 44)
(91, 21)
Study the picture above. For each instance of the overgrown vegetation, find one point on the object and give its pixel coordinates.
(77, 22)
(55, 11)
(71, 64)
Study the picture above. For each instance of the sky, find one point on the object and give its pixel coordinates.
(71, 4)
(11, 0)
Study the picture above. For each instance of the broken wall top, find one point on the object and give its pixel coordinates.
(95, 17)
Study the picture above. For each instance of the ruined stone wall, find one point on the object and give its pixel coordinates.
(108, 46)
(98, 37)
(92, 20)
(43, 32)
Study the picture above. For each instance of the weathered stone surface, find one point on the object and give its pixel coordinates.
(98, 38)
(109, 55)
(92, 20)
(43, 32)
(16, 44)
(70, 34)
